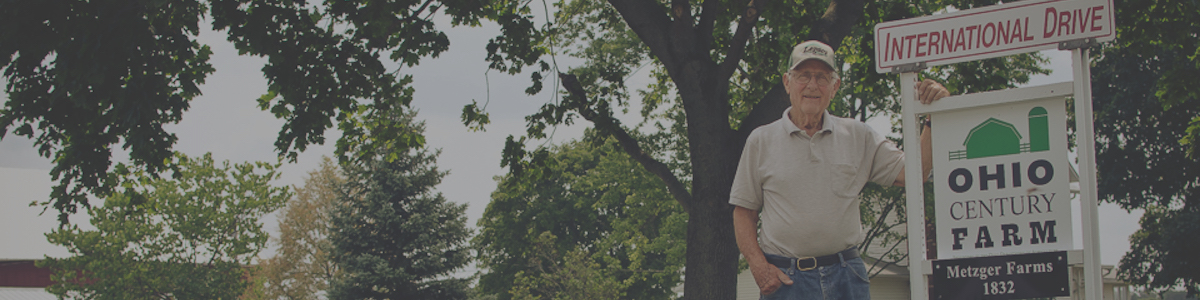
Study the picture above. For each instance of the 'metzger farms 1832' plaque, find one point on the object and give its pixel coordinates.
(1001, 277)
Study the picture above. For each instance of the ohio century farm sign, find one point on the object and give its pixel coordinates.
(1001, 180)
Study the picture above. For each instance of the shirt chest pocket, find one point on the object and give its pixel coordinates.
(844, 178)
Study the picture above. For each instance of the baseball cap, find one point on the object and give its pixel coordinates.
(813, 49)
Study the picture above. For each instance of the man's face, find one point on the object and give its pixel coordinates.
(810, 86)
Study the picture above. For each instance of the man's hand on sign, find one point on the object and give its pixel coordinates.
(929, 91)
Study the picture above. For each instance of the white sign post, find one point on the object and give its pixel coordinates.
(907, 46)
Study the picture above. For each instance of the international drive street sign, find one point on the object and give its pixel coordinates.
(1000, 180)
(993, 31)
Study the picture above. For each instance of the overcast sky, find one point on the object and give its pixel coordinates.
(226, 121)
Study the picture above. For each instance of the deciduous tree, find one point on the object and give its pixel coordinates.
(84, 76)
(1147, 111)
(590, 210)
(190, 236)
(301, 267)
(561, 277)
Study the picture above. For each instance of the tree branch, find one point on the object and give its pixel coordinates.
(878, 226)
(737, 47)
(650, 22)
(768, 109)
(606, 124)
(709, 11)
(837, 21)
(887, 263)
(683, 31)
(681, 11)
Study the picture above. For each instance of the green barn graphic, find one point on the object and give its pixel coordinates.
(994, 137)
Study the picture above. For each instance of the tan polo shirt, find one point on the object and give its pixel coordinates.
(806, 188)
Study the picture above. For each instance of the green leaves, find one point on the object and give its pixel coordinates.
(576, 277)
(86, 75)
(323, 62)
(1146, 128)
(474, 117)
(91, 74)
(1166, 235)
(1153, 26)
(370, 132)
(587, 209)
(185, 238)
(1192, 139)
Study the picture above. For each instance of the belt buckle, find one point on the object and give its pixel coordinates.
(814, 263)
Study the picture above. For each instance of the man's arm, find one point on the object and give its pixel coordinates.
(928, 91)
(745, 227)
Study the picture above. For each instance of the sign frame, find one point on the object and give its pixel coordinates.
(1086, 161)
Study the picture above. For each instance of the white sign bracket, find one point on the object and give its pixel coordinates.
(1084, 43)
(907, 68)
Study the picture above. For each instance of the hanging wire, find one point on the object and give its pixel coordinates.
(554, 97)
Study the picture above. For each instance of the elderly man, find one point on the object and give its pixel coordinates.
(801, 175)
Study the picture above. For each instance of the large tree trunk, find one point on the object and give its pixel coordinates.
(712, 255)
(703, 85)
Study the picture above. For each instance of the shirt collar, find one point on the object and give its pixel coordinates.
(826, 123)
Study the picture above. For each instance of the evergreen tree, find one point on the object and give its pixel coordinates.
(393, 237)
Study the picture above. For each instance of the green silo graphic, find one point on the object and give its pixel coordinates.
(1039, 130)
(994, 137)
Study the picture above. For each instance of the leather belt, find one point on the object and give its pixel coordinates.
(809, 263)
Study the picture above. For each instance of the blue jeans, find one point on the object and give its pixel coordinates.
(843, 281)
